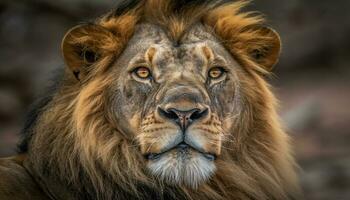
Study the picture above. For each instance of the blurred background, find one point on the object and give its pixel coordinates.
(312, 79)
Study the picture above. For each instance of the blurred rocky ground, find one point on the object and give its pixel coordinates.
(312, 80)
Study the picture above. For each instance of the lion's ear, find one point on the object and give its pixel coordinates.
(266, 50)
(85, 45)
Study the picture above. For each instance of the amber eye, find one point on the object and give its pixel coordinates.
(142, 72)
(216, 72)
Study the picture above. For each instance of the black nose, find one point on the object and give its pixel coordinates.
(183, 118)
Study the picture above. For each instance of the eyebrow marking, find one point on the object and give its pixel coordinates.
(150, 54)
(208, 53)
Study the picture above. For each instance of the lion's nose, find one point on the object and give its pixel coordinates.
(183, 118)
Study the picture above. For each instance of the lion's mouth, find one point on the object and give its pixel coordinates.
(183, 148)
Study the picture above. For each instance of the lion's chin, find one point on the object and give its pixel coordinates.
(186, 167)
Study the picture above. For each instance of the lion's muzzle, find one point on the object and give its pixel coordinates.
(181, 137)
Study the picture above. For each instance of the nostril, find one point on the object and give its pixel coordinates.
(198, 114)
(170, 113)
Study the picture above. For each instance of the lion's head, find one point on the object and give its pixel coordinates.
(163, 94)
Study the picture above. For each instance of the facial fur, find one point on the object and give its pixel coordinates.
(178, 80)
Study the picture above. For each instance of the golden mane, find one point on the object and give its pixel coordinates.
(75, 144)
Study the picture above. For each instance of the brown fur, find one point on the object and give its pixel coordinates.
(16, 183)
(75, 144)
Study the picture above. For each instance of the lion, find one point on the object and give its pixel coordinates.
(159, 99)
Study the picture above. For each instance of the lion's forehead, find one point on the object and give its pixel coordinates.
(187, 51)
(150, 33)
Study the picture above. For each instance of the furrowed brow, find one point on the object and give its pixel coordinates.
(208, 53)
(150, 53)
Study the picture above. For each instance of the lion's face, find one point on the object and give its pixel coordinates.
(176, 101)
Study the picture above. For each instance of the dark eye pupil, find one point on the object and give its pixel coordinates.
(142, 72)
(215, 72)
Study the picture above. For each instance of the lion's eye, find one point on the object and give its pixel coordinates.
(216, 72)
(142, 72)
